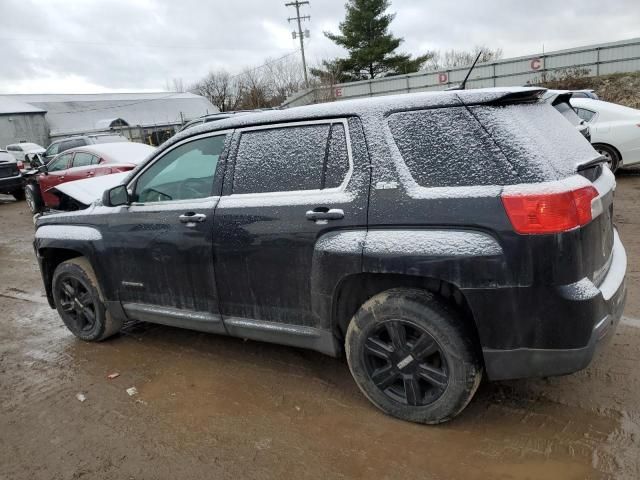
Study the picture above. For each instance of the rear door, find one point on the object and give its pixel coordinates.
(83, 166)
(290, 184)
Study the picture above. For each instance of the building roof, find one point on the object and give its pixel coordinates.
(9, 105)
(84, 113)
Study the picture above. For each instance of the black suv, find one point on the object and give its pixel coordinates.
(11, 180)
(427, 236)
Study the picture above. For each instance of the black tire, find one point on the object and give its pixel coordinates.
(431, 357)
(80, 303)
(33, 198)
(610, 153)
(18, 194)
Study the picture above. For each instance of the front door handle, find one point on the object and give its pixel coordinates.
(323, 213)
(191, 218)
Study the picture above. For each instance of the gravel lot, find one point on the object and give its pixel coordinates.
(216, 407)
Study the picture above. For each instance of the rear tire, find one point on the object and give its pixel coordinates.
(33, 198)
(610, 153)
(413, 356)
(80, 303)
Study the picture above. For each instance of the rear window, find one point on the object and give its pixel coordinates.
(488, 145)
(538, 141)
(447, 147)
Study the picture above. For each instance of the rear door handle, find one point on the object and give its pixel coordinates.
(192, 218)
(323, 213)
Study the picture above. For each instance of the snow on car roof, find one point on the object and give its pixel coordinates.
(125, 152)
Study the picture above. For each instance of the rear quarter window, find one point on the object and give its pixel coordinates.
(448, 147)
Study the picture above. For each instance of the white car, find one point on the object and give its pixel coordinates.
(615, 130)
(24, 151)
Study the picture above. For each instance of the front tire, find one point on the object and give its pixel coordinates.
(413, 356)
(33, 198)
(80, 303)
(610, 153)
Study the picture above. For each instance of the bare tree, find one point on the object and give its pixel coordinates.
(283, 77)
(222, 89)
(175, 85)
(462, 58)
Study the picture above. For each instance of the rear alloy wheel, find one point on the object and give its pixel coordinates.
(79, 302)
(412, 355)
(612, 156)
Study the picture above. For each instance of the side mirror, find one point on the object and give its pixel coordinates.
(116, 196)
(43, 169)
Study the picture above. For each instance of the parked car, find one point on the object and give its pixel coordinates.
(615, 130)
(25, 151)
(428, 236)
(11, 181)
(79, 163)
(63, 144)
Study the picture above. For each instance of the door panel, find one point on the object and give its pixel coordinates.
(264, 242)
(161, 245)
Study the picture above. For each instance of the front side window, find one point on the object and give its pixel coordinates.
(186, 172)
(60, 163)
(292, 158)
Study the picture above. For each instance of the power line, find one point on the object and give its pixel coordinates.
(299, 33)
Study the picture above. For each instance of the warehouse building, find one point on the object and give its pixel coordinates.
(21, 121)
(143, 117)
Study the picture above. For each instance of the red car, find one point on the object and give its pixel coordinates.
(79, 163)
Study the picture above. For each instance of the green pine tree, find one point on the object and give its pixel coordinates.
(365, 35)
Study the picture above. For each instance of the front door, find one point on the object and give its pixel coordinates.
(161, 245)
(290, 184)
(56, 174)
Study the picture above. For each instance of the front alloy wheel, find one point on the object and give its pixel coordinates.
(77, 303)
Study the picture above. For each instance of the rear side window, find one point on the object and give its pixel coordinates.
(281, 159)
(448, 147)
(82, 159)
(337, 164)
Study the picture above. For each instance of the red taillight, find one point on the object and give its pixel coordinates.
(551, 212)
(20, 165)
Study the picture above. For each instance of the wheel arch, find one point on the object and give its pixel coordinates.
(354, 290)
(50, 258)
(608, 145)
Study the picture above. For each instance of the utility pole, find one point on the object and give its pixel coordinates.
(300, 34)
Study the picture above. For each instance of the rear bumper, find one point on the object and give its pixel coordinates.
(603, 311)
(11, 184)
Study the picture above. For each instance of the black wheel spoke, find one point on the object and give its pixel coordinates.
(397, 334)
(68, 289)
(424, 347)
(385, 376)
(435, 376)
(377, 347)
(412, 390)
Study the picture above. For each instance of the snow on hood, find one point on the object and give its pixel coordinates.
(87, 191)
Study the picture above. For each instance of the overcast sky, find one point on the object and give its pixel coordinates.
(84, 46)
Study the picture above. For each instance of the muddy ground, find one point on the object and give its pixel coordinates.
(217, 407)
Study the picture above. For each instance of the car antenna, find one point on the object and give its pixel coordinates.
(463, 85)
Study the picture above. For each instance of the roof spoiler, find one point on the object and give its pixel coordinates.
(530, 95)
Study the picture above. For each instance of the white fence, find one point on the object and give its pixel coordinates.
(602, 59)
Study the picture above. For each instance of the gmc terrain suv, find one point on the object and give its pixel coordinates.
(430, 237)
